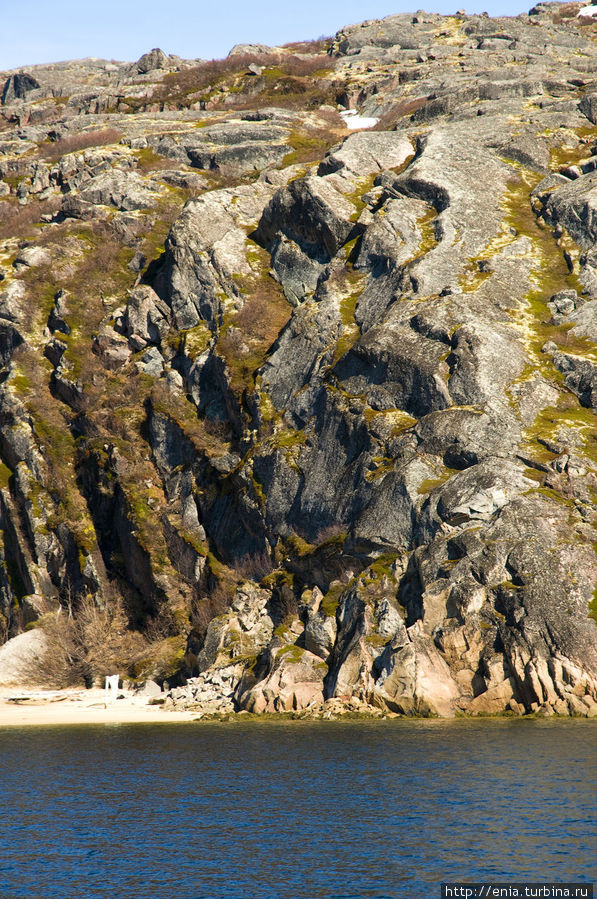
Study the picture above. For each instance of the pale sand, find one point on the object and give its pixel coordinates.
(60, 707)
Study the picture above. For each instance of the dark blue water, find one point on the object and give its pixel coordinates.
(294, 810)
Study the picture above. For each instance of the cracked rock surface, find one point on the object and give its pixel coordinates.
(305, 418)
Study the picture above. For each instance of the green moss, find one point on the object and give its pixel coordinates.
(554, 495)
(534, 475)
(376, 640)
(350, 284)
(350, 248)
(552, 423)
(196, 340)
(335, 541)
(5, 476)
(383, 466)
(183, 413)
(565, 155)
(291, 653)
(148, 160)
(19, 381)
(258, 490)
(549, 275)
(508, 585)
(215, 565)
(430, 484)
(383, 567)
(356, 196)
(330, 601)
(472, 278)
(399, 421)
(426, 227)
(593, 606)
(308, 147)
(193, 541)
(144, 505)
(296, 546)
(287, 438)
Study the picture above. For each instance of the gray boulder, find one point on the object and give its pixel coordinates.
(149, 62)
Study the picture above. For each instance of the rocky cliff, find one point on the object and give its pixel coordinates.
(295, 416)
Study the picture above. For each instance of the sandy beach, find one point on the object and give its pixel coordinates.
(24, 707)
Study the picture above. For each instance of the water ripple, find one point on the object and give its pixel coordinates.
(380, 810)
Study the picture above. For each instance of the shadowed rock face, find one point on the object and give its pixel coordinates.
(17, 87)
(311, 412)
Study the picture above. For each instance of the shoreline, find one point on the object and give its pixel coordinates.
(31, 707)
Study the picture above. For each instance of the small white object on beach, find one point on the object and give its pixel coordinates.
(589, 11)
(111, 689)
(353, 120)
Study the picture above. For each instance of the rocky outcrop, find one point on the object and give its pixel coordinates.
(17, 86)
(149, 62)
(312, 412)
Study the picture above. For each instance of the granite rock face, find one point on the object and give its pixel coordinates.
(311, 411)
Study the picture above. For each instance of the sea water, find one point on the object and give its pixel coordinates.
(295, 809)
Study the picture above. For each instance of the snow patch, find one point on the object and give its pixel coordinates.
(353, 120)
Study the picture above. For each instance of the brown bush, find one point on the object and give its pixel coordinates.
(255, 327)
(321, 45)
(311, 144)
(566, 11)
(257, 319)
(300, 66)
(213, 70)
(84, 644)
(330, 532)
(284, 79)
(83, 141)
(19, 221)
(163, 625)
(254, 567)
(333, 120)
(217, 602)
(389, 119)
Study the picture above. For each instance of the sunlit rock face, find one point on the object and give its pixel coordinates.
(298, 368)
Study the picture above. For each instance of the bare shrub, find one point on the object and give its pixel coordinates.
(331, 532)
(212, 71)
(232, 343)
(289, 76)
(20, 220)
(83, 141)
(301, 66)
(283, 606)
(85, 644)
(320, 45)
(204, 75)
(254, 567)
(389, 119)
(161, 626)
(254, 319)
(217, 602)
(566, 11)
(333, 119)
(220, 430)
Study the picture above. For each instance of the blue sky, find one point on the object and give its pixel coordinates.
(36, 31)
